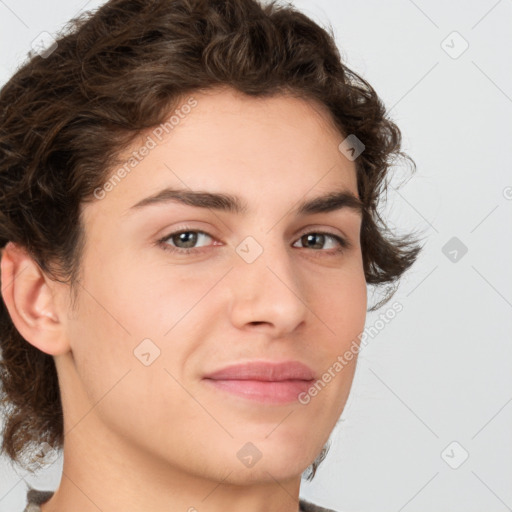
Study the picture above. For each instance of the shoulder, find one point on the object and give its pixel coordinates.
(36, 498)
(306, 506)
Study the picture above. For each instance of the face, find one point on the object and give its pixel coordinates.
(173, 291)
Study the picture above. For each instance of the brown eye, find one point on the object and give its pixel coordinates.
(317, 241)
(313, 241)
(188, 238)
(184, 241)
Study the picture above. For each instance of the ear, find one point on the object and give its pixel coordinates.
(30, 298)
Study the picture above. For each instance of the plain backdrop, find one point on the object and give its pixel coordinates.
(428, 423)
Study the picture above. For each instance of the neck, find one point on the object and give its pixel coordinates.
(98, 475)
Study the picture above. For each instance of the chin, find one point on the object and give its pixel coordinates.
(274, 464)
(263, 473)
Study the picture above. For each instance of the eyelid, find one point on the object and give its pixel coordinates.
(181, 230)
(344, 243)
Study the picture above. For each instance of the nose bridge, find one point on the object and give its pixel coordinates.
(266, 287)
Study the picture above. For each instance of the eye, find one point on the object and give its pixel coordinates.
(314, 239)
(185, 242)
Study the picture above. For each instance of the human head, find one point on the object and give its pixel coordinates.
(67, 119)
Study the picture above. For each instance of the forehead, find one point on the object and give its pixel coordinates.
(277, 148)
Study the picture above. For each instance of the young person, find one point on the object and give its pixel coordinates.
(189, 222)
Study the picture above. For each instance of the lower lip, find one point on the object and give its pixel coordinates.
(280, 392)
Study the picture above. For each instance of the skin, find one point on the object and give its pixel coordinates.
(155, 437)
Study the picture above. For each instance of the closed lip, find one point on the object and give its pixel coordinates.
(264, 371)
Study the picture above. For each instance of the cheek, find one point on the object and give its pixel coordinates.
(109, 323)
(342, 305)
(127, 381)
(101, 347)
(128, 317)
(342, 308)
(155, 297)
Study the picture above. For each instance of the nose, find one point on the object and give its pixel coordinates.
(267, 294)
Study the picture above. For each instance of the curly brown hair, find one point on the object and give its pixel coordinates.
(66, 117)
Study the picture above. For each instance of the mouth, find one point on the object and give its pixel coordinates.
(270, 392)
(262, 381)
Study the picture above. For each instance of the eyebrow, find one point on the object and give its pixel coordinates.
(330, 202)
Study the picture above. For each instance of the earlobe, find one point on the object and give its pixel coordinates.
(29, 299)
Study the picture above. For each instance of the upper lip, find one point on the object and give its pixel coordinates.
(264, 371)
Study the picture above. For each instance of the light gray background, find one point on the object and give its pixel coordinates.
(441, 370)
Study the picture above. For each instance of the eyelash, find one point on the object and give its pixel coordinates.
(344, 244)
